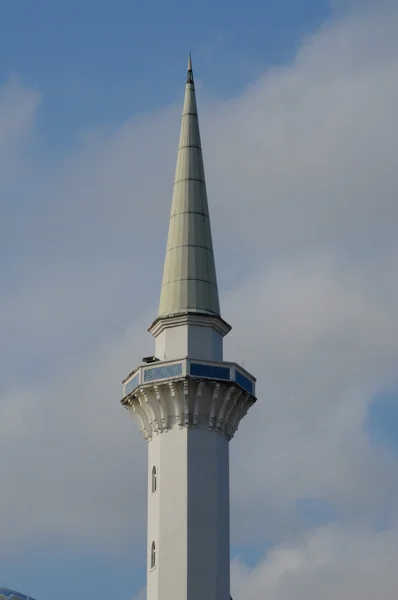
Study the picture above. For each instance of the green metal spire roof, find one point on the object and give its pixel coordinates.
(189, 276)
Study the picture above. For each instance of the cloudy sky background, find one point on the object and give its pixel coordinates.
(298, 105)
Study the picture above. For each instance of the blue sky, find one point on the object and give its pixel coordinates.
(297, 104)
(97, 62)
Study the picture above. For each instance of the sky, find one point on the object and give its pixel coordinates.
(297, 105)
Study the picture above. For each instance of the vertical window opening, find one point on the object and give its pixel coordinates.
(154, 479)
(153, 555)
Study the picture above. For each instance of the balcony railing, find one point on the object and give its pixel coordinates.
(186, 368)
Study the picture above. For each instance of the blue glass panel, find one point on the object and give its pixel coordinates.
(244, 382)
(130, 385)
(210, 371)
(163, 372)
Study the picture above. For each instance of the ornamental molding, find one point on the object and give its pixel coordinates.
(195, 403)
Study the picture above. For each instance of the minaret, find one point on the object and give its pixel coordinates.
(187, 401)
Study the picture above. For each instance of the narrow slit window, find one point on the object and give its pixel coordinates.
(154, 480)
(153, 555)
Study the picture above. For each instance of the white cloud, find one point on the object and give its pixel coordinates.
(329, 344)
(311, 146)
(18, 106)
(302, 186)
(332, 562)
(140, 596)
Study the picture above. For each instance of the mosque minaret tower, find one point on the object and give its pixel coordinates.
(187, 400)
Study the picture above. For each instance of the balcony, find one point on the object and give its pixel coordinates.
(189, 369)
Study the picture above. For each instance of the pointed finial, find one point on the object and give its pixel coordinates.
(190, 72)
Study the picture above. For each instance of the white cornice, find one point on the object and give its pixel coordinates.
(195, 319)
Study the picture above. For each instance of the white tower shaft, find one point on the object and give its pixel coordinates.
(188, 516)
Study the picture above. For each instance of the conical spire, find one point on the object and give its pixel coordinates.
(189, 276)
